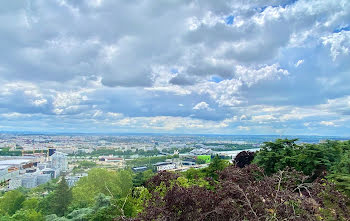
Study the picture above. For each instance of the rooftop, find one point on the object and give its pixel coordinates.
(14, 162)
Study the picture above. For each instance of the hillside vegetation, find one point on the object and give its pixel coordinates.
(283, 181)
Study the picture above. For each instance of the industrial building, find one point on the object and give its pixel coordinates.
(28, 172)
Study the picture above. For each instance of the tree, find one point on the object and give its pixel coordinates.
(45, 204)
(341, 173)
(247, 194)
(275, 156)
(28, 215)
(62, 197)
(193, 173)
(11, 202)
(31, 203)
(215, 166)
(244, 158)
(116, 184)
(140, 178)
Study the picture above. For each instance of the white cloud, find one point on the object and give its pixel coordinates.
(39, 102)
(243, 128)
(262, 118)
(119, 64)
(202, 106)
(327, 123)
(339, 43)
(252, 76)
(299, 62)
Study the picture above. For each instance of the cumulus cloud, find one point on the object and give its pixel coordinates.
(202, 106)
(339, 43)
(228, 65)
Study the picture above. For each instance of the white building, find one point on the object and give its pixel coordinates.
(59, 161)
(43, 178)
(15, 182)
(164, 166)
(29, 180)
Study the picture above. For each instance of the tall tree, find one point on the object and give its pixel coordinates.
(62, 198)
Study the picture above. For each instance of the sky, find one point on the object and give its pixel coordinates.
(176, 66)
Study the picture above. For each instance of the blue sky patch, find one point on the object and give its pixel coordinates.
(216, 79)
(342, 28)
(229, 20)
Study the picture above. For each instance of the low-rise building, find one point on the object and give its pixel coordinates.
(43, 178)
(53, 173)
(139, 169)
(164, 166)
(29, 180)
(15, 182)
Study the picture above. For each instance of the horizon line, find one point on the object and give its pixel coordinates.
(159, 133)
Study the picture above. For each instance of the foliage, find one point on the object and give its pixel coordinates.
(315, 160)
(140, 178)
(341, 173)
(99, 180)
(162, 177)
(275, 156)
(5, 152)
(30, 203)
(28, 215)
(86, 164)
(244, 158)
(125, 153)
(240, 195)
(229, 147)
(11, 202)
(80, 214)
(192, 174)
(272, 188)
(62, 197)
(45, 205)
(215, 166)
(46, 187)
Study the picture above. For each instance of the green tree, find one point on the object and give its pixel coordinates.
(116, 184)
(80, 214)
(141, 177)
(216, 165)
(28, 215)
(45, 204)
(11, 202)
(275, 156)
(62, 197)
(341, 173)
(31, 203)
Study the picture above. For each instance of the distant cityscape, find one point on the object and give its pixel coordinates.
(29, 160)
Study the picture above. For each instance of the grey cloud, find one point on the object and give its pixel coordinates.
(182, 80)
(81, 58)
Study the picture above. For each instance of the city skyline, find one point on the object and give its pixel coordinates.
(176, 67)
